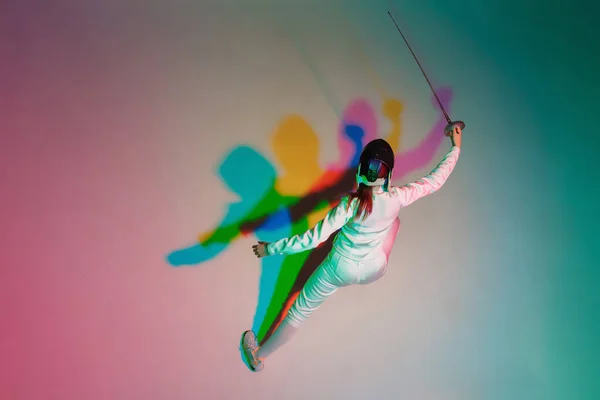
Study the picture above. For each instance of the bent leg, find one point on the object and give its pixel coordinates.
(390, 239)
(373, 269)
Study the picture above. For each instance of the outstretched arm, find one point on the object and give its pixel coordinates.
(334, 220)
(431, 183)
(208, 246)
(223, 234)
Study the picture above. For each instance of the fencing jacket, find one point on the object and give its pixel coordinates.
(360, 238)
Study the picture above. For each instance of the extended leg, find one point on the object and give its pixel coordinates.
(322, 284)
(318, 288)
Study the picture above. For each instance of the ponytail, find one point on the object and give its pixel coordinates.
(364, 196)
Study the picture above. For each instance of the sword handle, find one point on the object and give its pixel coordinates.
(450, 127)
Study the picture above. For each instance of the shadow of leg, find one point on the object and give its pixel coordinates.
(312, 262)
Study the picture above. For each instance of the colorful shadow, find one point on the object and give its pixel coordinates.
(273, 207)
(329, 190)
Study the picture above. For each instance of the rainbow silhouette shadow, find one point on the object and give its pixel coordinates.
(273, 207)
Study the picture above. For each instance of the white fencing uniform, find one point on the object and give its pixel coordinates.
(362, 247)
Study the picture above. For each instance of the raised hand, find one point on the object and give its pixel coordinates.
(456, 136)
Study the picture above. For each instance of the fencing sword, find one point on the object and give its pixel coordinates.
(451, 124)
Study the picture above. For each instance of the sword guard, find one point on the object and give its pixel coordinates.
(450, 127)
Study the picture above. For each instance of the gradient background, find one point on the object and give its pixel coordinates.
(116, 115)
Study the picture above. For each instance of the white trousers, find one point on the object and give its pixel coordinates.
(335, 271)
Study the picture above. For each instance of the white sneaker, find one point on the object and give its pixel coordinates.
(249, 347)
